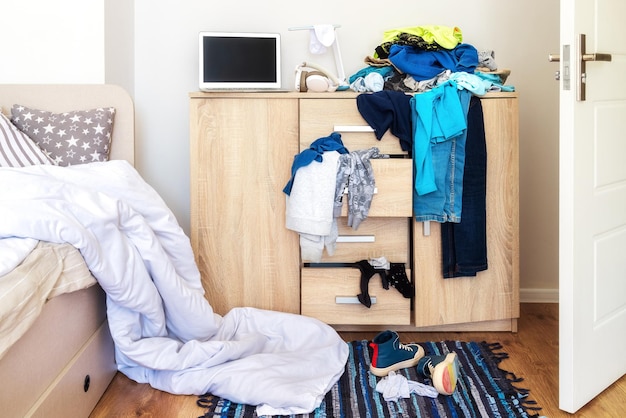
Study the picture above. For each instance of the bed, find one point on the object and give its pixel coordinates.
(163, 330)
(63, 358)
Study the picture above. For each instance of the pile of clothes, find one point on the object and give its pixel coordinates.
(440, 126)
(424, 85)
(417, 59)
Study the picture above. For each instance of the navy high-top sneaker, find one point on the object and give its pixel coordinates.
(391, 355)
(442, 370)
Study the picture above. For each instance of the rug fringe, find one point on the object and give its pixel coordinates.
(522, 394)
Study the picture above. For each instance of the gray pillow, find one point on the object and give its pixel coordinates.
(69, 138)
(17, 149)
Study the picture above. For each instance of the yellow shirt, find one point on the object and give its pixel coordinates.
(447, 37)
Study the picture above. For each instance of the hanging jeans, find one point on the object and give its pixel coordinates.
(464, 244)
(440, 126)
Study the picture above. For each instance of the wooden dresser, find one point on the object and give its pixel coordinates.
(242, 148)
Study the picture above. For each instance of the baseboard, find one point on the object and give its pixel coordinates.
(539, 295)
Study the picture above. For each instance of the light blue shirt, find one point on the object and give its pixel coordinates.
(437, 116)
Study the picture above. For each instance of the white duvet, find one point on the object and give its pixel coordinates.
(165, 332)
(13, 251)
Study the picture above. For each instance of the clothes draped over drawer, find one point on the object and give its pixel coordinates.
(440, 129)
(314, 153)
(388, 110)
(310, 203)
(355, 174)
(437, 119)
(320, 175)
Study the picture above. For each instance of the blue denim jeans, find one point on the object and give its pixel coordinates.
(437, 195)
(464, 244)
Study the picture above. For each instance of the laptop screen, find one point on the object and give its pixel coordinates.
(239, 60)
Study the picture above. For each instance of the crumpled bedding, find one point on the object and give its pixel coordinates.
(13, 251)
(165, 331)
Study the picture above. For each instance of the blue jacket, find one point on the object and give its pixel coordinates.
(314, 153)
(424, 65)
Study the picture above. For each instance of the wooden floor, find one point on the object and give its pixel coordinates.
(533, 355)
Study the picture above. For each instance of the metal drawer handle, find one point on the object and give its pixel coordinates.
(353, 128)
(351, 300)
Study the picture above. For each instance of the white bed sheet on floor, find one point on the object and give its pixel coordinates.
(165, 331)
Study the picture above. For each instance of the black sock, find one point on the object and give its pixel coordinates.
(367, 271)
(400, 281)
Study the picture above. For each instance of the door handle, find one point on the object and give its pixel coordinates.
(583, 58)
(586, 57)
(555, 58)
(597, 57)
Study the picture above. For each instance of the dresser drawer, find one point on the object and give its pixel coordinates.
(375, 237)
(329, 294)
(394, 188)
(321, 117)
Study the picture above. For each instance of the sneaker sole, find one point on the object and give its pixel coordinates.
(384, 371)
(445, 375)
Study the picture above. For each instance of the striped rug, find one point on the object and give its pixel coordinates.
(483, 389)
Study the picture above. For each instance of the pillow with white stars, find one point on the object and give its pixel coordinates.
(69, 138)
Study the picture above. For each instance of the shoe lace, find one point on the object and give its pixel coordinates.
(405, 347)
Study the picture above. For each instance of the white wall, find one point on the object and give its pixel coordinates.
(119, 43)
(52, 42)
(157, 62)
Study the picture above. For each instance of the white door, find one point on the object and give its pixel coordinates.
(592, 199)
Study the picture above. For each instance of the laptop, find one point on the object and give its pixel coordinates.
(239, 61)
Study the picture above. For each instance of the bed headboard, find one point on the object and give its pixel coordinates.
(66, 97)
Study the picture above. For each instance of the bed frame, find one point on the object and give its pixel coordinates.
(64, 363)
